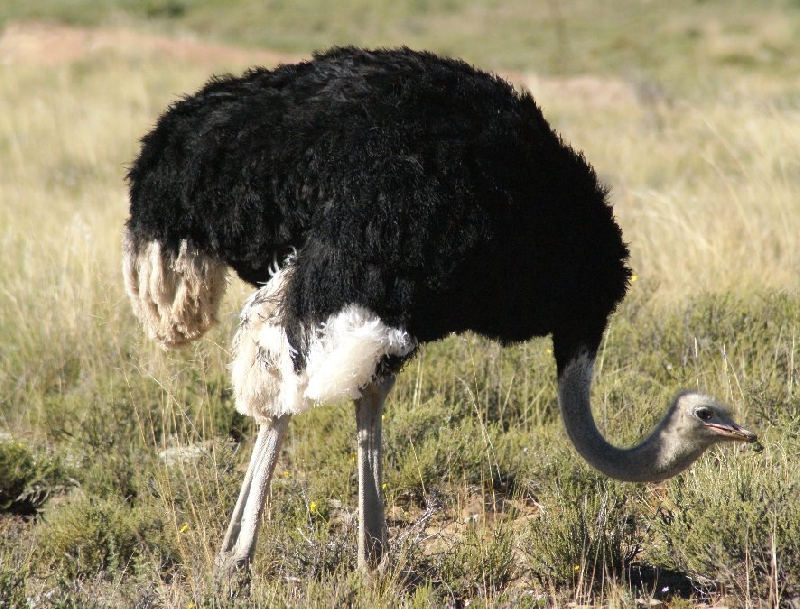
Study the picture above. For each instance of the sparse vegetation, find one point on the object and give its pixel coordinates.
(119, 463)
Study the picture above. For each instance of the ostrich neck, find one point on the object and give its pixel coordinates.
(659, 456)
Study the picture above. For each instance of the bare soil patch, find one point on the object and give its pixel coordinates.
(52, 44)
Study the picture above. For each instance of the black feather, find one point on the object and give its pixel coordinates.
(426, 190)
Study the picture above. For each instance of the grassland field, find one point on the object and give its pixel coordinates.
(120, 463)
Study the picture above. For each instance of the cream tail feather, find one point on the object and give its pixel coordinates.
(175, 295)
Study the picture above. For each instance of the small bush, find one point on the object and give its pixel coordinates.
(738, 527)
(27, 479)
(17, 472)
(14, 562)
(89, 537)
(480, 565)
(587, 533)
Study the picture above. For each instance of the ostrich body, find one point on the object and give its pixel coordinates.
(380, 199)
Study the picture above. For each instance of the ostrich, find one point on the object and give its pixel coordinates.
(377, 200)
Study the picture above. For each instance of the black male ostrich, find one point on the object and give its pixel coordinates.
(381, 199)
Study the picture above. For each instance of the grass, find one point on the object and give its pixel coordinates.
(120, 464)
(683, 42)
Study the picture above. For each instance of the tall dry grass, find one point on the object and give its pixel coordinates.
(67, 133)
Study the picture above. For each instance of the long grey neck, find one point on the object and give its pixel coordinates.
(658, 457)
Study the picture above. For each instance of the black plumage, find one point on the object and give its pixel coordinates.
(431, 193)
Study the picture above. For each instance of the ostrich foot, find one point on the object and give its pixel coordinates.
(231, 576)
(233, 560)
(228, 566)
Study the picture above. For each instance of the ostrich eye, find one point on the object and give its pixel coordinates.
(704, 414)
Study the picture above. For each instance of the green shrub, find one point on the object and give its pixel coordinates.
(97, 536)
(27, 478)
(587, 533)
(480, 565)
(736, 525)
(17, 472)
(15, 566)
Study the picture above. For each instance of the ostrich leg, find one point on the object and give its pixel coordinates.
(371, 521)
(240, 540)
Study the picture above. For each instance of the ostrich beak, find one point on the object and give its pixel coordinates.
(732, 431)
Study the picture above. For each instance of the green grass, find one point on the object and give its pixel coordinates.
(487, 501)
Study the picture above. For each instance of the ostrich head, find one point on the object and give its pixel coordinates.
(693, 423)
(696, 419)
